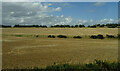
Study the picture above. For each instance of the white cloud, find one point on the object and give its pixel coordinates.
(62, 16)
(57, 9)
(22, 20)
(119, 20)
(103, 20)
(33, 13)
(93, 22)
(12, 12)
(37, 13)
(112, 20)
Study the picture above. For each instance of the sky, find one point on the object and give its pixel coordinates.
(57, 13)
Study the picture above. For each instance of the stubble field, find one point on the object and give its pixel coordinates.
(30, 51)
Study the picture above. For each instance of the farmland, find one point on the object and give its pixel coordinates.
(22, 49)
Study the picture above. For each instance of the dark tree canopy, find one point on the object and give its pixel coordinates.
(113, 25)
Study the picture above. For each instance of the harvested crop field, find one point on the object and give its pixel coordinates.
(25, 51)
(64, 31)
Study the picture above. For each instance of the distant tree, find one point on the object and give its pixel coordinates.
(17, 25)
(81, 26)
(37, 35)
(72, 26)
(98, 25)
(77, 37)
(112, 25)
(110, 36)
(102, 25)
(93, 26)
(99, 36)
(62, 36)
(93, 36)
(51, 36)
(76, 25)
(6, 26)
(118, 36)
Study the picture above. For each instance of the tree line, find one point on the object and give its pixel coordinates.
(99, 36)
(114, 25)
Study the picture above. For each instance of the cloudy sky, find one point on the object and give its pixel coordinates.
(53, 13)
